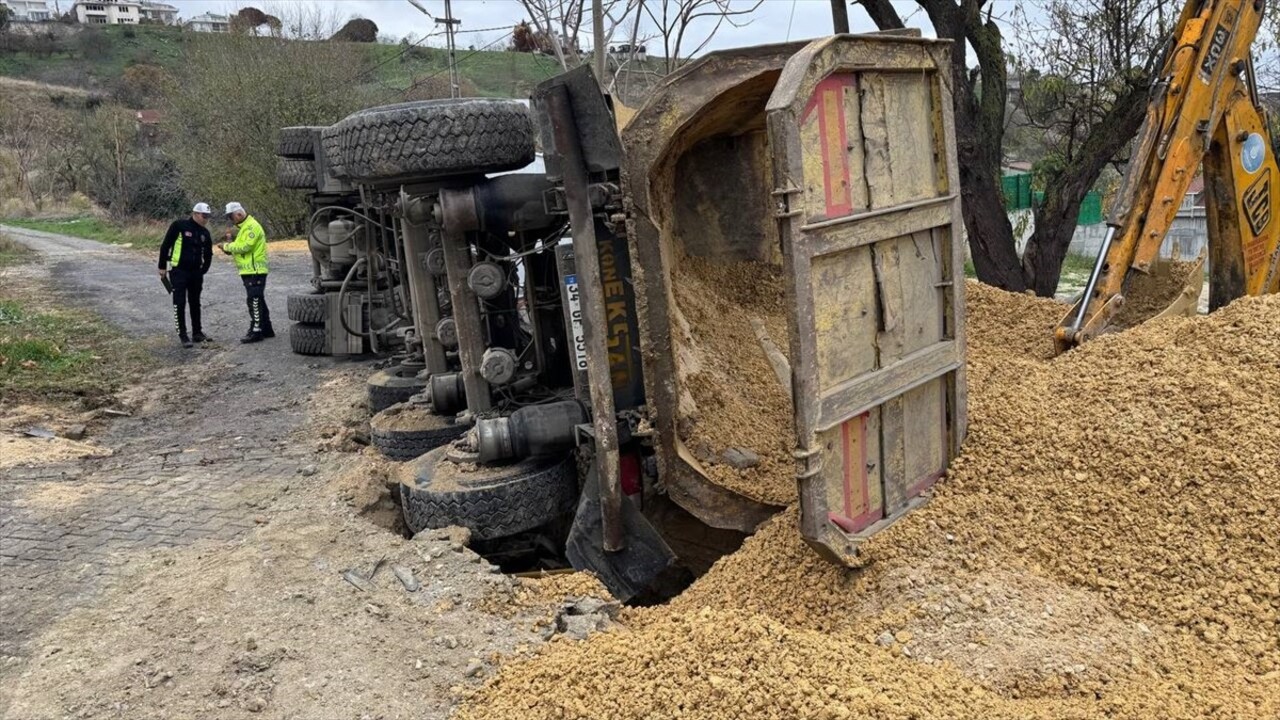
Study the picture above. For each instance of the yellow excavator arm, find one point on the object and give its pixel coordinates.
(1204, 109)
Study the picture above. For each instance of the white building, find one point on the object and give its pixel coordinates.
(108, 12)
(156, 12)
(209, 22)
(29, 10)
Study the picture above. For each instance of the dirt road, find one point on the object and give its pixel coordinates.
(201, 570)
(207, 439)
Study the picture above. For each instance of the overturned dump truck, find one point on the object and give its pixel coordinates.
(653, 343)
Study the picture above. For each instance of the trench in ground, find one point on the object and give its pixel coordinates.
(541, 551)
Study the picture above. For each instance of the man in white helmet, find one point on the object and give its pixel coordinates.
(185, 256)
(249, 248)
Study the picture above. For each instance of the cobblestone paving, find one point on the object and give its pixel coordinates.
(218, 442)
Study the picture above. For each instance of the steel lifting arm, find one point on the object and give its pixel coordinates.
(1204, 108)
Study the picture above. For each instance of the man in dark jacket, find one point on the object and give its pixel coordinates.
(187, 250)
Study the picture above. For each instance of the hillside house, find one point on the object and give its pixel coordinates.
(209, 22)
(160, 13)
(29, 10)
(108, 12)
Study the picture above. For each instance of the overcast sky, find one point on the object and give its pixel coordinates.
(774, 21)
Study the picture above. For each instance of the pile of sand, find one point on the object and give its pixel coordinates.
(733, 396)
(1108, 545)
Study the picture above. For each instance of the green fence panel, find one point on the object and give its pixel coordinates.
(1090, 208)
(1017, 191)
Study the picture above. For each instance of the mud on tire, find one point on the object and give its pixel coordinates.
(393, 385)
(312, 309)
(296, 174)
(492, 501)
(298, 142)
(307, 339)
(436, 138)
(406, 444)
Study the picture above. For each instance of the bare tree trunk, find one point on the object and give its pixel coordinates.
(1056, 218)
(839, 16)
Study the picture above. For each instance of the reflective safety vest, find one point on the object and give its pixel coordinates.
(249, 248)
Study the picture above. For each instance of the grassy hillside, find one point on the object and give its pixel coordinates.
(95, 63)
(97, 57)
(489, 73)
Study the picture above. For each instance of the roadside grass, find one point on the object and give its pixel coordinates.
(142, 234)
(12, 252)
(54, 353)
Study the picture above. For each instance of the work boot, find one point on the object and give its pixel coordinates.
(200, 337)
(186, 341)
(252, 337)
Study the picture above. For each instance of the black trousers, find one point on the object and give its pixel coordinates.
(255, 288)
(186, 293)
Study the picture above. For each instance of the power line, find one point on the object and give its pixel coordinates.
(363, 73)
(461, 60)
(398, 55)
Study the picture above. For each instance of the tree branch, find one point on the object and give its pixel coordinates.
(883, 14)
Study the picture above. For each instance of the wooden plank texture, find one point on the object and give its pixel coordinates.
(862, 393)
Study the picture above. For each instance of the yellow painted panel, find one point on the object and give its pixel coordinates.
(844, 299)
(900, 142)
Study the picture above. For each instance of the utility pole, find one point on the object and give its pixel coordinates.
(597, 30)
(449, 22)
(840, 16)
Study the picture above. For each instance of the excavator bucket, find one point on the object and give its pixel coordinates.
(1187, 302)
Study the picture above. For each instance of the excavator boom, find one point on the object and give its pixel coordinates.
(1204, 109)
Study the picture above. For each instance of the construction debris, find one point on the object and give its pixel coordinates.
(1106, 546)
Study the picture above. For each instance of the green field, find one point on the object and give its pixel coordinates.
(488, 73)
(95, 65)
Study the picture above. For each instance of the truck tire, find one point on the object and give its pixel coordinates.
(307, 339)
(399, 441)
(298, 142)
(393, 385)
(312, 309)
(296, 174)
(492, 501)
(436, 138)
(332, 149)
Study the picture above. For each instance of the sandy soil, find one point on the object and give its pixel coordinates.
(18, 448)
(733, 397)
(1104, 548)
(272, 626)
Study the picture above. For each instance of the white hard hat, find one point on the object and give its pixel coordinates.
(202, 208)
(234, 207)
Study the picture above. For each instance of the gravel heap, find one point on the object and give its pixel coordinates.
(1107, 545)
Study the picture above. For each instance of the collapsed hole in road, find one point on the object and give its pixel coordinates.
(541, 551)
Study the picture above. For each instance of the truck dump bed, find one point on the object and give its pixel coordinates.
(796, 235)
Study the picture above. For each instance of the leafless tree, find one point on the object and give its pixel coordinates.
(1117, 37)
(1094, 62)
(687, 26)
(562, 21)
(308, 20)
(24, 134)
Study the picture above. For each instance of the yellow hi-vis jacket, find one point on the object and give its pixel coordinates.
(249, 248)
